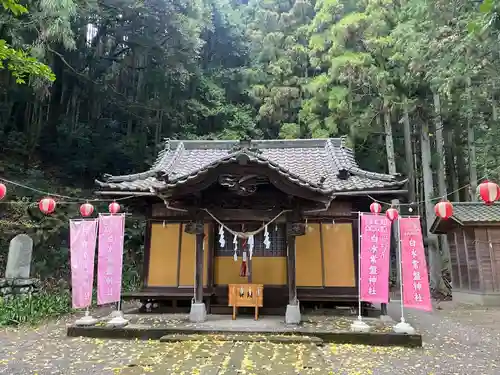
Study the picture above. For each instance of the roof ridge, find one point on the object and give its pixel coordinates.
(264, 143)
(175, 158)
(271, 163)
(354, 168)
(330, 150)
(156, 167)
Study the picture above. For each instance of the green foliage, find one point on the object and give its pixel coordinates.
(14, 7)
(34, 309)
(18, 62)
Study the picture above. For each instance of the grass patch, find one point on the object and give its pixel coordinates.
(34, 309)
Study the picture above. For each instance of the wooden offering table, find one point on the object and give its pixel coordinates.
(246, 295)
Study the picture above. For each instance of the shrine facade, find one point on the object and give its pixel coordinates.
(278, 213)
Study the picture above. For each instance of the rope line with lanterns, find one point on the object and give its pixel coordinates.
(48, 204)
(487, 190)
(442, 197)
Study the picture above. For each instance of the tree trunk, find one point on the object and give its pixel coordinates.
(408, 152)
(441, 174)
(434, 256)
(472, 149)
(391, 162)
(389, 142)
(450, 153)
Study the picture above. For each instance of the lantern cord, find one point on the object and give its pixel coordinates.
(435, 198)
(72, 200)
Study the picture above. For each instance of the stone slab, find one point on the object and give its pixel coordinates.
(481, 299)
(155, 333)
(246, 338)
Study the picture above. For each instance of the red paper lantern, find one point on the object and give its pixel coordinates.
(86, 209)
(489, 192)
(375, 208)
(3, 191)
(444, 209)
(114, 208)
(392, 214)
(47, 205)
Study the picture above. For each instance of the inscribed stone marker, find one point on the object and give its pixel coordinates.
(19, 260)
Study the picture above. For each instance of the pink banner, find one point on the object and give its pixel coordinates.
(375, 237)
(416, 293)
(110, 261)
(82, 239)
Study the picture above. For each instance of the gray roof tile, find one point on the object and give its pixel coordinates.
(472, 212)
(468, 213)
(304, 162)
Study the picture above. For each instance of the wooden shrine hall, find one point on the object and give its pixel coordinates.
(277, 217)
(473, 234)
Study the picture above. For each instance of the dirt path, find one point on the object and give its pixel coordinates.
(456, 341)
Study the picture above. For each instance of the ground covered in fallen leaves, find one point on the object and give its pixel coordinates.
(456, 341)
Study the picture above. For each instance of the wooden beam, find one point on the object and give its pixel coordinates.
(292, 281)
(292, 231)
(147, 253)
(199, 230)
(198, 276)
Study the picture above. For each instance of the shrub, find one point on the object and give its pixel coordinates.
(34, 309)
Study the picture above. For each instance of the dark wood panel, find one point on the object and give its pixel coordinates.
(494, 238)
(455, 278)
(472, 262)
(483, 252)
(164, 293)
(462, 261)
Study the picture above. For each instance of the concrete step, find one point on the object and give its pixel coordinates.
(276, 339)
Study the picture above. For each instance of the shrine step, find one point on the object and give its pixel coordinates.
(275, 339)
(227, 310)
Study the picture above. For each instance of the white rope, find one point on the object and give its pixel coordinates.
(245, 234)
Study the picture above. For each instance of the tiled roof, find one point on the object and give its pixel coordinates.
(312, 163)
(476, 212)
(470, 213)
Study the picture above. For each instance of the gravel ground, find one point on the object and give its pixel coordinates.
(457, 340)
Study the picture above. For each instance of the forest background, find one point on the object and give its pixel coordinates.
(94, 86)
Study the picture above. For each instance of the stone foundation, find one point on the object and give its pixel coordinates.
(11, 288)
(477, 298)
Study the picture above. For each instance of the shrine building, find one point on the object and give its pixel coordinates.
(473, 234)
(282, 214)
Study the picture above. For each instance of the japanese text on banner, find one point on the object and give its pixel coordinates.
(110, 258)
(416, 293)
(375, 244)
(83, 237)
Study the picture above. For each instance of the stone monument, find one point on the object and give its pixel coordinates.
(17, 281)
(19, 260)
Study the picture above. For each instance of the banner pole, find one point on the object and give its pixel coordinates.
(400, 265)
(402, 326)
(358, 325)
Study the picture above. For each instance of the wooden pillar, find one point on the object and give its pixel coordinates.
(293, 230)
(291, 268)
(199, 230)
